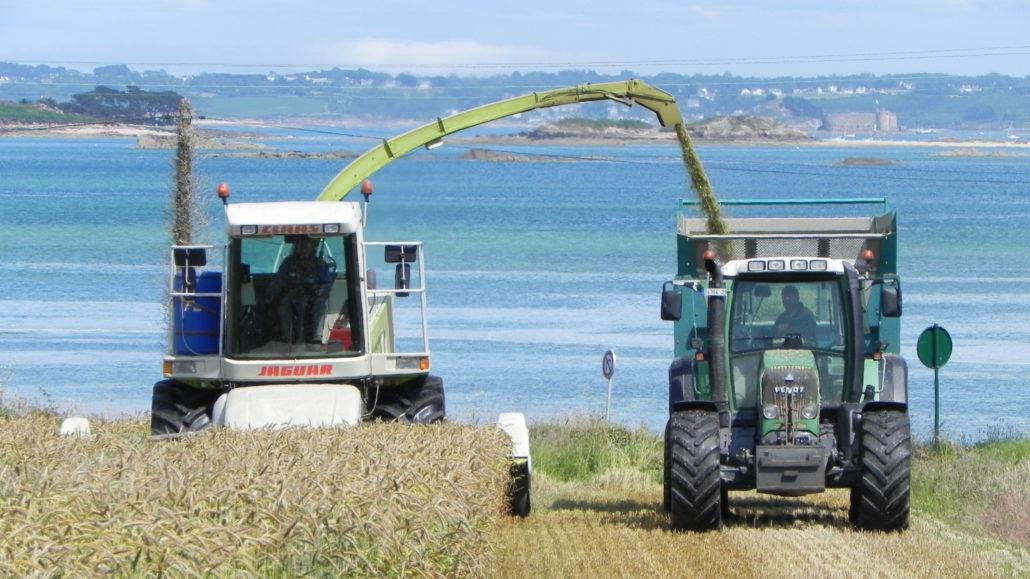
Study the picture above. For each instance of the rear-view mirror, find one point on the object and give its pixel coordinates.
(890, 302)
(672, 304)
(189, 256)
(401, 254)
(402, 278)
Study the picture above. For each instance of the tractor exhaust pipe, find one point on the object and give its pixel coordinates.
(716, 338)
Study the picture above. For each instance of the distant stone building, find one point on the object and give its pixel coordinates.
(846, 123)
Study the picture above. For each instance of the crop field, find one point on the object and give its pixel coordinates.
(382, 500)
(388, 500)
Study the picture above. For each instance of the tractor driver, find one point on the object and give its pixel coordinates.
(304, 280)
(797, 321)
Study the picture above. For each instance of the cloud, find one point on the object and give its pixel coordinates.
(450, 54)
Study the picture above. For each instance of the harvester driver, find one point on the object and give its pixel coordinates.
(797, 323)
(304, 282)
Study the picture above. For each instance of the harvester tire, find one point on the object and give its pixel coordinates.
(418, 402)
(880, 500)
(695, 487)
(667, 466)
(177, 408)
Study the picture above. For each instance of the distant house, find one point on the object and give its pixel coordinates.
(848, 123)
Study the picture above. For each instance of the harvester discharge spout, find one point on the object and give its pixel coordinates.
(628, 92)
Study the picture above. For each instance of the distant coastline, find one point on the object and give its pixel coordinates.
(247, 143)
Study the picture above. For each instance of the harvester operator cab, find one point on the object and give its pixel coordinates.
(291, 296)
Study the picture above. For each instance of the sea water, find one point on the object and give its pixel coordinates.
(534, 270)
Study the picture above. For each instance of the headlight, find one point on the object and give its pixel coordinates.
(770, 412)
(809, 412)
(183, 367)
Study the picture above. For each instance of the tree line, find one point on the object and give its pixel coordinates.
(133, 105)
(918, 99)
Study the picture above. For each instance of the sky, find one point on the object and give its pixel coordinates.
(762, 38)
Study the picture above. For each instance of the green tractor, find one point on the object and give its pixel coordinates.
(787, 377)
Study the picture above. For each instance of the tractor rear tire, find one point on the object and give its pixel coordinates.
(418, 402)
(179, 409)
(880, 500)
(696, 485)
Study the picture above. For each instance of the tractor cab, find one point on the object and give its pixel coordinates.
(772, 315)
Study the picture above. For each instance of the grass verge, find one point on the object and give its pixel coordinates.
(580, 449)
(980, 488)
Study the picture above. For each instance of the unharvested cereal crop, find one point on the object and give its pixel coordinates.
(381, 499)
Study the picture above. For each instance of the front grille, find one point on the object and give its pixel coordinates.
(789, 389)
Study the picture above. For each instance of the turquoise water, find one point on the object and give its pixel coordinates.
(534, 269)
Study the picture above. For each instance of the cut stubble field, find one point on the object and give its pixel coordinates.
(615, 527)
(598, 501)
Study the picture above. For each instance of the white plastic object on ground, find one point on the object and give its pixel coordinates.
(75, 426)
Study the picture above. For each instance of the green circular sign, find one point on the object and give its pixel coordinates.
(934, 347)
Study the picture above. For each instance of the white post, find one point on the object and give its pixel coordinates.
(608, 369)
(608, 404)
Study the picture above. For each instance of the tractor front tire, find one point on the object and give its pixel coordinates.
(179, 409)
(695, 487)
(880, 500)
(418, 402)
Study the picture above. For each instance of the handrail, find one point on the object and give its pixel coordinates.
(805, 201)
